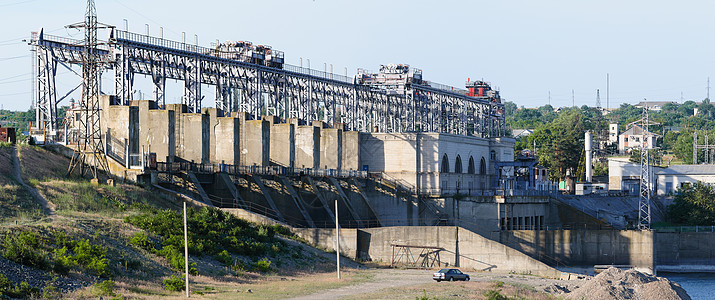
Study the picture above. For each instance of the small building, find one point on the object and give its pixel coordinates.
(7, 134)
(613, 133)
(633, 139)
(654, 105)
(675, 177)
(625, 177)
(519, 133)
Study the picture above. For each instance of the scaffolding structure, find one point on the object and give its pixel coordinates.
(254, 79)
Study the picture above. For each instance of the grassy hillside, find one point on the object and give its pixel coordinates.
(16, 204)
(124, 241)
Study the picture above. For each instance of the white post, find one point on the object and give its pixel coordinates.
(186, 252)
(337, 237)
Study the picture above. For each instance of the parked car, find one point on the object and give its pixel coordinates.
(450, 275)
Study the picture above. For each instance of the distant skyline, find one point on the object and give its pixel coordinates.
(651, 49)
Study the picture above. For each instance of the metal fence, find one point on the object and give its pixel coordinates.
(174, 167)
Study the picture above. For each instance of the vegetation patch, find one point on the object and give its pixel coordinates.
(22, 290)
(693, 205)
(211, 231)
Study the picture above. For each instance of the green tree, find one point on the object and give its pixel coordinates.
(693, 205)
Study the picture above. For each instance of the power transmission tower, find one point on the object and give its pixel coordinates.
(598, 99)
(645, 188)
(89, 153)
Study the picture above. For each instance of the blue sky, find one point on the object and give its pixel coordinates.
(651, 49)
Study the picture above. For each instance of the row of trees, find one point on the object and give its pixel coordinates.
(559, 135)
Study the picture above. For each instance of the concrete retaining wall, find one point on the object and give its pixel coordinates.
(683, 249)
(463, 248)
(586, 247)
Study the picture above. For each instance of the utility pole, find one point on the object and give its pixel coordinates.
(337, 238)
(186, 252)
(573, 99)
(608, 87)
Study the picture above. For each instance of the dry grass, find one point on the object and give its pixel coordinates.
(41, 165)
(16, 204)
(456, 290)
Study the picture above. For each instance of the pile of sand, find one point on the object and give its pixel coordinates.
(617, 284)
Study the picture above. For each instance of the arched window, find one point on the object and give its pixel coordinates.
(458, 165)
(470, 168)
(445, 164)
(493, 155)
(482, 167)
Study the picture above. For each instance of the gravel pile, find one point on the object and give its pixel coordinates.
(618, 284)
(17, 273)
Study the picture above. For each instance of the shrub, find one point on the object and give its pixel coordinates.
(176, 259)
(263, 265)
(5, 284)
(63, 262)
(23, 290)
(495, 295)
(92, 257)
(224, 257)
(104, 288)
(50, 292)
(174, 283)
(23, 249)
(141, 240)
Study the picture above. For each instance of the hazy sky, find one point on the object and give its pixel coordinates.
(652, 49)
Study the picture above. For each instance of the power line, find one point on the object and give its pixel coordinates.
(13, 57)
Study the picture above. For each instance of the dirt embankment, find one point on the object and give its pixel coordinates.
(618, 284)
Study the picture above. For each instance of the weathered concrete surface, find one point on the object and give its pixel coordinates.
(228, 147)
(193, 139)
(586, 247)
(156, 130)
(351, 150)
(283, 145)
(307, 147)
(463, 248)
(686, 251)
(255, 147)
(331, 148)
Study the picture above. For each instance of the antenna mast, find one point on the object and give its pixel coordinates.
(645, 188)
(89, 153)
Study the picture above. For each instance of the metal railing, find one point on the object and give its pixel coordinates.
(175, 167)
(685, 229)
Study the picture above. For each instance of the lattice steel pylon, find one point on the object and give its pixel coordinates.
(645, 187)
(89, 153)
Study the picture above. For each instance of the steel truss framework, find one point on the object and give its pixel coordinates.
(645, 187)
(288, 92)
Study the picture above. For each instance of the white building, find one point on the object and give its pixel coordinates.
(625, 176)
(613, 133)
(633, 139)
(436, 163)
(675, 177)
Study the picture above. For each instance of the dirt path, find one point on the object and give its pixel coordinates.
(386, 278)
(16, 172)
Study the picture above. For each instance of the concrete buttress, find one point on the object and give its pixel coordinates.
(298, 201)
(268, 197)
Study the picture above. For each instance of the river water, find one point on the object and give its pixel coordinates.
(698, 285)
